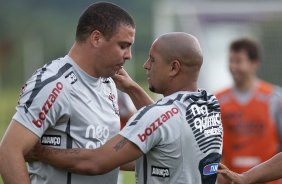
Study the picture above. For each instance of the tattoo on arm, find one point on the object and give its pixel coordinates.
(50, 151)
(120, 144)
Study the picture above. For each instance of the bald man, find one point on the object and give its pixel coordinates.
(175, 140)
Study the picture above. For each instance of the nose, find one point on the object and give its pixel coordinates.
(232, 66)
(127, 54)
(146, 65)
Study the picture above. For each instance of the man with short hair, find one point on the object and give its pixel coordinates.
(176, 140)
(251, 111)
(71, 102)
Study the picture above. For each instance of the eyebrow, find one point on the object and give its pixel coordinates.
(150, 56)
(125, 43)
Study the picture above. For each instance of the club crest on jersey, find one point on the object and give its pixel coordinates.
(210, 169)
(112, 98)
(48, 105)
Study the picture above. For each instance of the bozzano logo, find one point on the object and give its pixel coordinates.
(48, 104)
(157, 123)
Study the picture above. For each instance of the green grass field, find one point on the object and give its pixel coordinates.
(8, 101)
(128, 178)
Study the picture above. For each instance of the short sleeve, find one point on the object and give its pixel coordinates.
(276, 109)
(42, 104)
(126, 105)
(146, 128)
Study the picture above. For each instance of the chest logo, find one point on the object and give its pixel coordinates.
(210, 169)
(112, 98)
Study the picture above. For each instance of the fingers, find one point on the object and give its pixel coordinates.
(122, 72)
(231, 176)
(222, 166)
(116, 77)
(222, 169)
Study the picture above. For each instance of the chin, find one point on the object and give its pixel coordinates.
(107, 75)
(151, 88)
(154, 90)
(238, 80)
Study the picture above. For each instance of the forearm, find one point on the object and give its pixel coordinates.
(138, 96)
(13, 168)
(74, 160)
(267, 171)
(128, 167)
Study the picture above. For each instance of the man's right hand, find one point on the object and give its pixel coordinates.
(137, 94)
(33, 154)
(123, 80)
(232, 177)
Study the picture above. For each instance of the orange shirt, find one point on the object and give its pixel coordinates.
(250, 133)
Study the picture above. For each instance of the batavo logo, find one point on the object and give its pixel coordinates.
(157, 123)
(48, 104)
(160, 172)
(210, 169)
(52, 140)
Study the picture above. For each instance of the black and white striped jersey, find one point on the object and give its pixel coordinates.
(181, 138)
(67, 108)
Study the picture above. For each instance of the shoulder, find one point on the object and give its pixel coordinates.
(45, 81)
(53, 71)
(224, 95)
(265, 87)
(151, 113)
(276, 93)
(223, 92)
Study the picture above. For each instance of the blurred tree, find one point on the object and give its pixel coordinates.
(44, 30)
(271, 37)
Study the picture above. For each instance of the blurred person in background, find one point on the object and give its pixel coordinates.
(251, 111)
(71, 102)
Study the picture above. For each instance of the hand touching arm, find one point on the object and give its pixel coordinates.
(264, 172)
(116, 152)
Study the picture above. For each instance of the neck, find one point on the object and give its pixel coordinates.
(193, 87)
(80, 54)
(247, 85)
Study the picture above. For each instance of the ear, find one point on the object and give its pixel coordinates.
(95, 38)
(175, 68)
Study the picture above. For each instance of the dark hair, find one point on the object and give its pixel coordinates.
(249, 46)
(104, 17)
